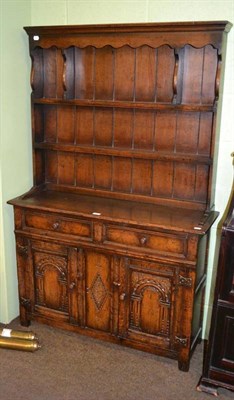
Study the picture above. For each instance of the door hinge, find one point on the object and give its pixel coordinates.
(22, 250)
(26, 303)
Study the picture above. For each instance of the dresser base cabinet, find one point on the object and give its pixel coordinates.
(112, 239)
(142, 288)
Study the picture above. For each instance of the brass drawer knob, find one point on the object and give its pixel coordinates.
(116, 283)
(143, 240)
(72, 285)
(55, 225)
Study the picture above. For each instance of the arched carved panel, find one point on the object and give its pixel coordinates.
(51, 281)
(150, 304)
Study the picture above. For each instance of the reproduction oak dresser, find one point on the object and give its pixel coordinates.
(112, 238)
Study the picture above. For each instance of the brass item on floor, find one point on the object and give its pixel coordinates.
(19, 344)
(11, 333)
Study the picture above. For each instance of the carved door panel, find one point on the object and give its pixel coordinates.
(149, 305)
(99, 297)
(53, 287)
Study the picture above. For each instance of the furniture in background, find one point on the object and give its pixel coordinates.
(218, 368)
(112, 239)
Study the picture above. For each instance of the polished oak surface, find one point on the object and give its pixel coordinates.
(129, 212)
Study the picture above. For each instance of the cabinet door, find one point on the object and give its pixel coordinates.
(54, 291)
(100, 306)
(148, 306)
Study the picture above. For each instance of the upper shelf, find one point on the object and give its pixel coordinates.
(198, 34)
(133, 78)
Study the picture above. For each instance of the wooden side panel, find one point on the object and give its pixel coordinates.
(37, 79)
(183, 312)
(24, 279)
(209, 75)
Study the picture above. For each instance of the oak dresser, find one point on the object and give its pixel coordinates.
(112, 239)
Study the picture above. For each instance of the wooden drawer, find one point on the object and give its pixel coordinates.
(56, 223)
(147, 240)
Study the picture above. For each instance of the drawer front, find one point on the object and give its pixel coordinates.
(159, 242)
(55, 223)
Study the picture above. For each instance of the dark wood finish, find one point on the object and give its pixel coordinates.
(112, 238)
(218, 368)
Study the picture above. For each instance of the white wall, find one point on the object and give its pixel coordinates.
(15, 146)
(59, 12)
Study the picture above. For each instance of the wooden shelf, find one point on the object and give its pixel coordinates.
(126, 104)
(131, 153)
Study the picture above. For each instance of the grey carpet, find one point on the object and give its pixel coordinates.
(74, 367)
